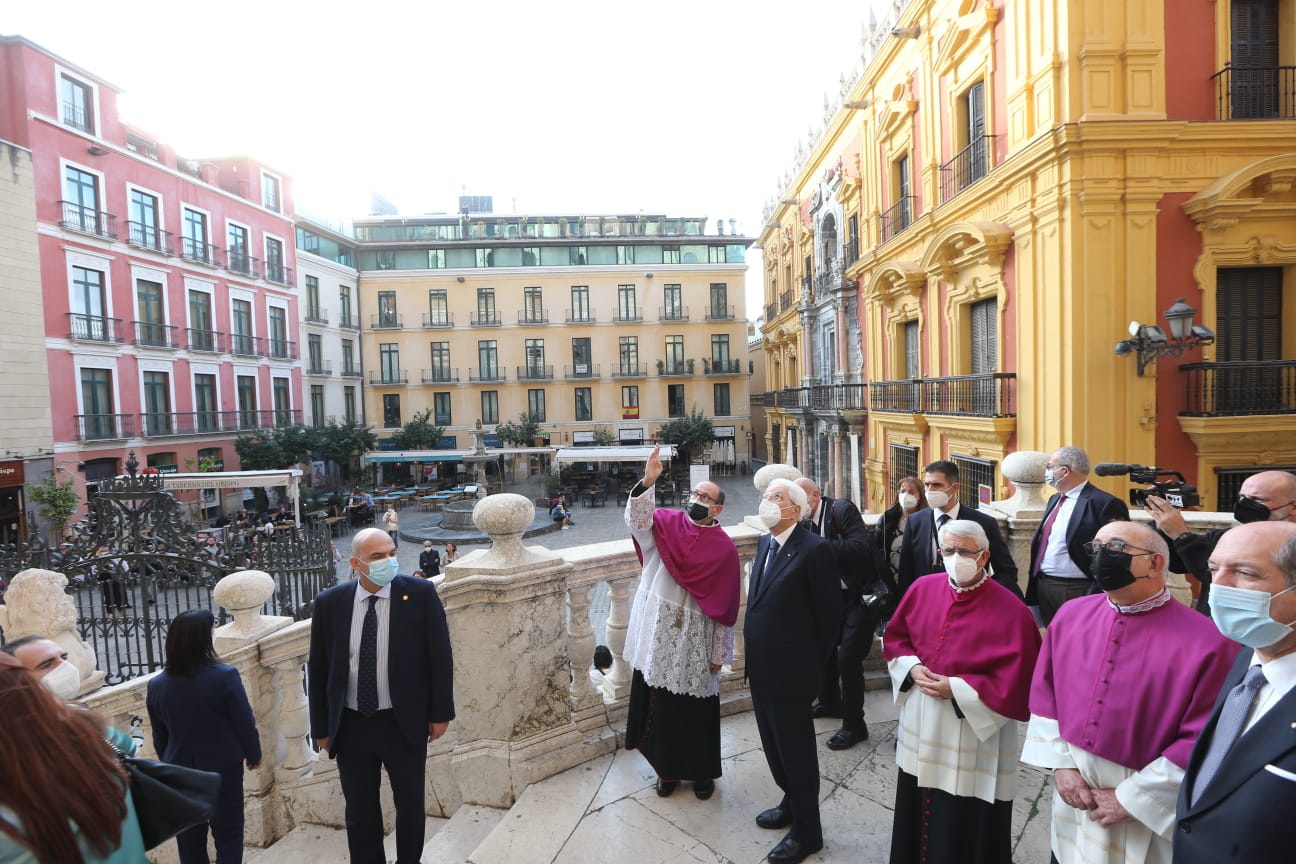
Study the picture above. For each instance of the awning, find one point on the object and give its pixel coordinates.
(612, 454)
(417, 456)
(231, 479)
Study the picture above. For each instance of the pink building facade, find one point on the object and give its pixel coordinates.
(171, 313)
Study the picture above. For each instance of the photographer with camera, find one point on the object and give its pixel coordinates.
(1269, 496)
(1059, 562)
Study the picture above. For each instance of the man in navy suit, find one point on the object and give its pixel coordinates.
(793, 616)
(1059, 563)
(918, 553)
(380, 678)
(1239, 792)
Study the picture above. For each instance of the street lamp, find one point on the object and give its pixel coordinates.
(1149, 342)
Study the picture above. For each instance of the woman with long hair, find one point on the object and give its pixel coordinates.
(63, 794)
(202, 719)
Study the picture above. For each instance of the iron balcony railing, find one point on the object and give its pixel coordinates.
(282, 349)
(828, 279)
(246, 346)
(897, 217)
(581, 370)
(78, 117)
(533, 316)
(725, 367)
(349, 371)
(349, 322)
(673, 367)
(441, 375)
(852, 251)
(440, 318)
(771, 309)
(1255, 92)
(624, 316)
(238, 261)
(785, 301)
(252, 419)
(491, 374)
(386, 321)
(105, 427)
(197, 250)
(792, 397)
(483, 319)
(88, 220)
(388, 376)
(534, 372)
(319, 368)
(895, 397)
(1240, 388)
(315, 315)
(145, 236)
(838, 397)
(991, 394)
(188, 423)
(579, 316)
(673, 313)
(278, 273)
(630, 370)
(94, 328)
(720, 312)
(210, 341)
(967, 167)
(153, 335)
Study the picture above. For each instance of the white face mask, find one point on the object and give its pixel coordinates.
(64, 680)
(908, 501)
(937, 499)
(768, 513)
(962, 570)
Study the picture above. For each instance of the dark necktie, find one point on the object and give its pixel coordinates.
(1045, 530)
(367, 674)
(938, 562)
(1232, 720)
(769, 562)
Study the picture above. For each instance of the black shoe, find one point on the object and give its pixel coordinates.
(703, 789)
(775, 817)
(666, 787)
(789, 851)
(820, 710)
(844, 739)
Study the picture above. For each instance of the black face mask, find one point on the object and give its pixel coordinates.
(1248, 510)
(697, 511)
(1111, 570)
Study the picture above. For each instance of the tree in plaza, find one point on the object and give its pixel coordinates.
(522, 433)
(603, 437)
(690, 434)
(260, 452)
(57, 502)
(419, 433)
(343, 444)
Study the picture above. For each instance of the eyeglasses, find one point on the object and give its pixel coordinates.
(704, 497)
(1093, 546)
(947, 551)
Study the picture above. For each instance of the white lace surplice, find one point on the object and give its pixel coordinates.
(670, 640)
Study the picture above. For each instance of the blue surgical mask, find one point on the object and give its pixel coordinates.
(1242, 615)
(383, 571)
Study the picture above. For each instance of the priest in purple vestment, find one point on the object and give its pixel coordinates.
(960, 649)
(1125, 682)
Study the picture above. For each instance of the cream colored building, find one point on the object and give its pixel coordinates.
(587, 322)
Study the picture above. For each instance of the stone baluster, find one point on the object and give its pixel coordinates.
(298, 757)
(1025, 509)
(580, 645)
(616, 685)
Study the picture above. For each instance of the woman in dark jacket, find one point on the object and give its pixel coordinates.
(202, 719)
(891, 527)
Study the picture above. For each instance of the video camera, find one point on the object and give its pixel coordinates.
(1180, 494)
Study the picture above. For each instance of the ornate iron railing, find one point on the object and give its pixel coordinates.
(88, 220)
(967, 167)
(1239, 388)
(897, 217)
(1255, 92)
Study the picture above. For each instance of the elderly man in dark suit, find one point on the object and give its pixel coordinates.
(793, 615)
(380, 690)
(918, 551)
(1239, 793)
(1059, 563)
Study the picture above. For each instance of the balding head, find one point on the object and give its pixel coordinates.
(813, 495)
(1149, 557)
(1275, 491)
(1260, 557)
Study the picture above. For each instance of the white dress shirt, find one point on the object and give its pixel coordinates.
(383, 611)
(1057, 560)
(1280, 678)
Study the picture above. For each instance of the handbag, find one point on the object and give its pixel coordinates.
(168, 798)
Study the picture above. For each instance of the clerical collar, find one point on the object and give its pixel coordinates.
(1156, 601)
(963, 589)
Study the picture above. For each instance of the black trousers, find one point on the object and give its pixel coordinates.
(843, 680)
(787, 736)
(365, 745)
(1054, 591)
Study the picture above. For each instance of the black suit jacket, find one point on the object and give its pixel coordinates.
(204, 721)
(793, 616)
(1245, 812)
(851, 543)
(1094, 508)
(920, 537)
(420, 668)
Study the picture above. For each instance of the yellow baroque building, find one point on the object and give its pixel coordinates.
(1002, 189)
(611, 324)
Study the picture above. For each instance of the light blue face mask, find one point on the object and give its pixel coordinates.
(383, 571)
(1242, 615)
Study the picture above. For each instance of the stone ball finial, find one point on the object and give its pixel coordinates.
(244, 593)
(1025, 466)
(37, 604)
(504, 513)
(761, 479)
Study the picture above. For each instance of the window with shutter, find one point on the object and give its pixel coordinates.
(1249, 314)
(984, 315)
(911, 369)
(1253, 67)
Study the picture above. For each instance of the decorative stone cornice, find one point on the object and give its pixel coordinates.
(966, 244)
(1233, 197)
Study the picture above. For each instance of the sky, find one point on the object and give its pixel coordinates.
(683, 108)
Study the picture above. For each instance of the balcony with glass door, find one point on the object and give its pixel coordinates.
(85, 327)
(246, 346)
(105, 427)
(206, 341)
(87, 220)
(282, 349)
(142, 235)
(581, 371)
(441, 375)
(238, 261)
(151, 334)
(199, 252)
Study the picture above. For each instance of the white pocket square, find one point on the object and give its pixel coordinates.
(1279, 772)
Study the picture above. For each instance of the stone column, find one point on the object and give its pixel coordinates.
(507, 608)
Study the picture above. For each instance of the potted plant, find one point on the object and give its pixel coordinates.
(689, 361)
(661, 366)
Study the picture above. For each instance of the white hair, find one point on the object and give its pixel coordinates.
(967, 529)
(795, 494)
